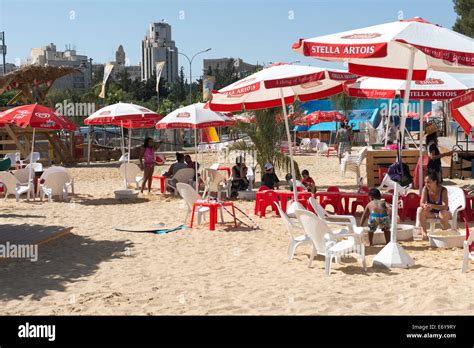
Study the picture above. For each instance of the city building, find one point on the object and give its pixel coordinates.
(158, 47)
(9, 67)
(213, 65)
(49, 55)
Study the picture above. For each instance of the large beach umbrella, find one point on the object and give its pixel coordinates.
(119, 114)
(405, 49)
(279, 85)
(462, 110)
(195, 116)
(36, 116)
(437, 86)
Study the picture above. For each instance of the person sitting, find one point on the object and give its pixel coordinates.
(191, 164)
(269, 178)
(239, 177)
(289, 181)
(434, 202)
(179, 164)
(378, 214)
(308, 181)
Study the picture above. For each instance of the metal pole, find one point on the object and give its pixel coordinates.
(290, 148)
(129, 142)
(89, 145)
(190, 82)
(388, 120)
(30, 173)
(420, 169)
(4, 53)
(196, 159)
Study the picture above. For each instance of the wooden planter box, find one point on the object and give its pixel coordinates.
(376, 158)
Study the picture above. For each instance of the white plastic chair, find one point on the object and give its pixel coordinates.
(250, 177)
(216, 181)
(322, 148)
(23, 174)
(190, 196)
(184, 175)
(332, 219)
(131, 174)
(389, 184)
(327, 243)
(291, 226)
(314, 144)
(214, 166)
(37, 167)
(13, 186)
(467, 255)
(54, 185)
(53, 169)
(353, 163)
(456, 203)
(14, 157)
(305, 144)
(33, 159)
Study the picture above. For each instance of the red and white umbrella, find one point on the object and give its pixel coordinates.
(114, 113)
(384, 50)
(437, 86)
(195, 116)
(405, 49)
(279, 85)
(120, 114)
(462, 110)
(36, 116)
(317, 117)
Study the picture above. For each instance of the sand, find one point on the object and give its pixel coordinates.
(100, 271)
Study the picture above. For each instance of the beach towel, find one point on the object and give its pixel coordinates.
(160, 228)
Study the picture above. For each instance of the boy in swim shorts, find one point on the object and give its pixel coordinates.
(377, 212)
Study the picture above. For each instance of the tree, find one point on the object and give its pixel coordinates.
(265, 133)
(345, 103)
(465, 20)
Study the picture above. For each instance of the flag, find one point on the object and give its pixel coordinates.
(107, 70)
(159, 69)
(207, 86)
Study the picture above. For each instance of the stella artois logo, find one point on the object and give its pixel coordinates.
(430, 81)
(183, 115)
(361, 36)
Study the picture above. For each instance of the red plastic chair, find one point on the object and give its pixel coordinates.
(382, 172)
(257, 200)
(268, 200)
(362, 201)
(467, 212)
(335, 201)
(300, 189)
(411, 202)
(263, 188)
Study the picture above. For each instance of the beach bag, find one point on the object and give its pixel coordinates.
(399, 171)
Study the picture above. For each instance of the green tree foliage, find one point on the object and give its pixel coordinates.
(265, 133)
(345, 103)
(465, 20)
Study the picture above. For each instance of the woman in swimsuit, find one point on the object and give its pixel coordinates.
(434, 202)
(147, 155)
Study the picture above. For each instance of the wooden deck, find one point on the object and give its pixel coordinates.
(31, 234)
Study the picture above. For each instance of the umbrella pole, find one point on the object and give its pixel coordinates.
(420, 169)
(290, 148)
(196, 160)
(30, 173)
(89, 146)
(393, 255)
(129, 143)
(123, 152)
(388, 120)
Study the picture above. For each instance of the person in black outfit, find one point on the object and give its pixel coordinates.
(239, 177)
(269, 178)
(434, 163)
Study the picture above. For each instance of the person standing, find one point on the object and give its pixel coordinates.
(147, 162)
(434, 163)
(342, 141)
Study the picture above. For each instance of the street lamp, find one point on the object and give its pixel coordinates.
(190, 71)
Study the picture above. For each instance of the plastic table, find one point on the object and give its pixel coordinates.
(227, 169)
(162, 182)
(212, 205)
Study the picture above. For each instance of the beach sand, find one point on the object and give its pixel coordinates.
(100, 271)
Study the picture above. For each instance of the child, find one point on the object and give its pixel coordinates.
(289, 181)
(377, 212)
(270, 179)
(308, 181)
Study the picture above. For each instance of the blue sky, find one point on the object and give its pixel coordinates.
(256, 31)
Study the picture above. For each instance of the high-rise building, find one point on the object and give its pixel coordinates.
(49, 55)
(158, 47)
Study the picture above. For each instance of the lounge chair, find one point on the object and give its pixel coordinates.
(327, 243)
(291, 226)
(54, 185)
(456, 203)
(13, 186)
(185, 175)
(131, 174)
